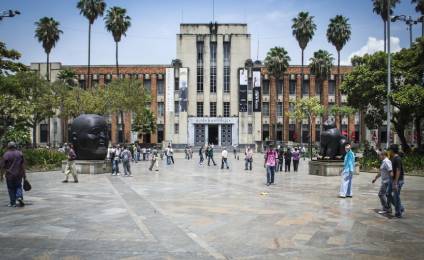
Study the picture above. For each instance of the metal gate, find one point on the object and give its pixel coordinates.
(226, 135)
(199, 134)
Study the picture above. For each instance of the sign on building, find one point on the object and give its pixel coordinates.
(256, 91)
(170, 90)
(243, 80)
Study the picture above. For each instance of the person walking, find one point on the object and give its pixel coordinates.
(224, 158)
(70, 165)
(287, 159)
(347, 174)
(201, 155)
(12, 163)
(186, 152)
(296, 158)
(248, 159)
(126, 161)
(280, 159)
(190, 152)
(386, 181)
(235, 151)
(154, 161)
(114, 160)
(171, 155)
(210, 156)
(143, 152)
(270, 162)
(397, 180)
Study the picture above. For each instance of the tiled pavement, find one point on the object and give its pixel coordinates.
(187, 211)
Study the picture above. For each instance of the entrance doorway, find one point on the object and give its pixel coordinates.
(213, 134)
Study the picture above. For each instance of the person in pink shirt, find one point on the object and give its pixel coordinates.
(271, 157)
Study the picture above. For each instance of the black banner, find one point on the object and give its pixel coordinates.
(243, 98)
(256, 99)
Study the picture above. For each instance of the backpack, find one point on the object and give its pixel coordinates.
(125, 156)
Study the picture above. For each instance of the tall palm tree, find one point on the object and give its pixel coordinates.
(303, 30)
(338, 34)
(117, 22)
(48, 33)
(380, 8)
(419, 7)
(277, 61)
(91, 9)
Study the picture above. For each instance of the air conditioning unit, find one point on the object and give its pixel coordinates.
(292, 76)
(82, 77)
(331, 99)
(108, 76)
(160, 76)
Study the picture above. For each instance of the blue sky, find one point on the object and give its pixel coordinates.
(151, 38)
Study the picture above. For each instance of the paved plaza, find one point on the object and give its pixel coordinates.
(187, 211)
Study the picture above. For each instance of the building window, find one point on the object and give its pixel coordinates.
(212, 108)
(177, 84)
(280, 85)
(176, 108)
(305, 88)
(265, 132)
(44, 132)
(200, 109)
(147, 85)
(160, 133)
(265, 109)
(213, 67)
(176, 129)
(280, 109)
(226, 109)
(292, 87)
(265, 88)
(331, 87)
(250, 108)
(317, 133)
(161, 110)
(292, 134)
(305, 133)
(199, 70)
(81, 84)
(249, 129)
(160, 87)
(227, 75)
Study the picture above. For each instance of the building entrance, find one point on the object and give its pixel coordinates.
(213, 134)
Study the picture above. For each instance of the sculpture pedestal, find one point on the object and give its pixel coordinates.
(90, 166)
(328, 167)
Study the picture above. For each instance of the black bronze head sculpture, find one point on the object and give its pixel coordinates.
(332, 141)
(89, 137)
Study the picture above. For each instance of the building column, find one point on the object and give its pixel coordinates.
(312, 93)
(286, 108)
(154, 105)
(219, 134)
(114, 128)
(324, 101)
(299, 96)
(128, 126)
(272, 108)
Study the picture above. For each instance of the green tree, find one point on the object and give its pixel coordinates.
(276, 62)
(91, 9)
(307, 108)
(117, 22)
(144, 122)
(380, 8)
(338, 34)
(9, 61)
(48, 33)
(320, 65)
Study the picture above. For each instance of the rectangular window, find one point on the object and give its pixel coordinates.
(305, 88)
(176, 129)
(331, 87)
(280, 109)
(249, 129)
(44, 132)
(177, 84)
(291, 107)
(200, 109)
(226, 109)
(292, 129)
(292, 87)
(280, 85)
(212, 108)
(227, 75)
(199, 70)
(213, 67)
(147, 85)
(250, 108)
(160, 87)
(265, 108)
(265, 132)
(265, 88)
(176, 108)
(161, 109)
(82, 84)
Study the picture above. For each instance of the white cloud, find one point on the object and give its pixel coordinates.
(374, 45)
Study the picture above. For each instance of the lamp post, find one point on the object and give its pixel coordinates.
(408, 21)
(9, 13)
(388, 76)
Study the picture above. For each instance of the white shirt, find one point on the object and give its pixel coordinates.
(224, 154)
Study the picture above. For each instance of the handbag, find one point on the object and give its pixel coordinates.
(27, 185)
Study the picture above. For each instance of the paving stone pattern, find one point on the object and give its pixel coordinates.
(188, 211)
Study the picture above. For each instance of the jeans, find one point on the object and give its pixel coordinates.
(248, 164)
(201, 158)
(209, 160)
(224, 161)
(153, 163)
(270, 172)
(287, 166)
(396, 199)
(296, 165)
(115, 168)
(280, 164)
(14, 187)
(385, 196)
(127, 167)
(346, 184)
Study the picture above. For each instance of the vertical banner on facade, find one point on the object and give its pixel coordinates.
(183, 89)
(256, 91)
(169, 90)
(243, 90)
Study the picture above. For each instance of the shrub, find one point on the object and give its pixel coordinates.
(43, 159)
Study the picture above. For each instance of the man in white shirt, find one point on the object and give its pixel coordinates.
(224, 156)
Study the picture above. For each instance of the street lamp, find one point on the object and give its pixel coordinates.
(408, 21)
(388, 76)
(9, 13)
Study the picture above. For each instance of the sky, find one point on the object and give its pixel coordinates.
(151, 39)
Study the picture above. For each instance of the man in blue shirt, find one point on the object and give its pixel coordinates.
(347, 174)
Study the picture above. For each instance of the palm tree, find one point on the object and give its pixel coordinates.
(48, 33)
(338, 34)
(117, 22)
(277, 61)
(303, 29)
(420, 9)
(380, 8)
(91, 9)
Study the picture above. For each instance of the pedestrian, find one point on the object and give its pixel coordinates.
(270, 162)
(126, 161)
(210, 155)
(134, 152)
(287, 159)
(296, 158)
(248, 158)
(70, 165)
(235, 151)
(280, 159)
(303, 151)
(190, 152)
(12, 163)
(347, 174)
(114, 158)
(154, 161)
(201, 155)
(224, 158)
(143, 152)
(186, 152)
(138, 152)
(397, 180)
(171, 154)
(386, 181)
